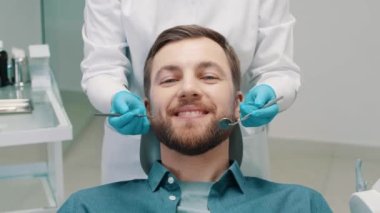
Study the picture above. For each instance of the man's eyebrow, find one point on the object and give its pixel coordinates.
(170, 68)
(207, 64)
(201, 66)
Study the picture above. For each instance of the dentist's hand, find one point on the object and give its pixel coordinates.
(256, 98)
(128, 105)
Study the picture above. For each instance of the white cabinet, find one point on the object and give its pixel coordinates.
(49, 125)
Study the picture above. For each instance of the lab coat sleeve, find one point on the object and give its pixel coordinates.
(105, 66)
(273, 60)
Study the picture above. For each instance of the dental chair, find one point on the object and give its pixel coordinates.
(364, 200)
(150, 148)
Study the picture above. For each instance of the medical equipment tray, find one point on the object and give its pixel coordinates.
(14, 106)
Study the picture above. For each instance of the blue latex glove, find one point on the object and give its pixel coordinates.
(128, 105)
(256, 98)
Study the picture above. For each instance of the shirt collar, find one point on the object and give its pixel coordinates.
(231, 177)
(156, 175)
(234, 176)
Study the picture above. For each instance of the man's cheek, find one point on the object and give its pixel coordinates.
(154, 108)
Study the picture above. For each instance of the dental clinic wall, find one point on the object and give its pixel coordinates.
(337, 46)
(63, 21)
(20, 23)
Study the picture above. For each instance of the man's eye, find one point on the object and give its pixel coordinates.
(209, 77)
(168, 81)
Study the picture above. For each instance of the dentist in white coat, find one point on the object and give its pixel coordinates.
(118, 34)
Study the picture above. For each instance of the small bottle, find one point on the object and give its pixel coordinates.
(20, 68)
(3, 66)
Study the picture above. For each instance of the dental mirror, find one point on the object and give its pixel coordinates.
(226, 123)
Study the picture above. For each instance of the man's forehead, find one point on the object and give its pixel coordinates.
(190, 52)
(189, 43)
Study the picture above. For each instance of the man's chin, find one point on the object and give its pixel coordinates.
(190, 132)
(192, 144)
(192, 127)
(190, 136)
(195, 140)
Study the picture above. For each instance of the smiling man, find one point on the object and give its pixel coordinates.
(191, 84)
(192, 80)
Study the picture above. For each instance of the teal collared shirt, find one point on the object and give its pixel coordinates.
(231, 193)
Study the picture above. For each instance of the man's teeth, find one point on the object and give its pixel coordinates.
(190, 114)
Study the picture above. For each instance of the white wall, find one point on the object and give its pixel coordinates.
(20, 23)
(63, 22)
(337, 45)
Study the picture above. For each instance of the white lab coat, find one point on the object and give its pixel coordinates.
(261, 32)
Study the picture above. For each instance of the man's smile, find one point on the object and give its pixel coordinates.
(190, 111)
(190, 114)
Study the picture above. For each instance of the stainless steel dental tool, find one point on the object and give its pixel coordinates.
(117, 114)
(226, 123)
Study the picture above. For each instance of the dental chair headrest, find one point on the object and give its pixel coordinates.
(150, 148)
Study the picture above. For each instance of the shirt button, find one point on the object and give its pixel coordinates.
(170, 180)
(172, 197)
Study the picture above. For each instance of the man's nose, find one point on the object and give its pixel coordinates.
(190, 89)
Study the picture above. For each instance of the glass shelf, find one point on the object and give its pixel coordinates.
(33, 186)
(42, 115)
(47, 121)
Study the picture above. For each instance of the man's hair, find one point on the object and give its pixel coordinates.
(184, 32)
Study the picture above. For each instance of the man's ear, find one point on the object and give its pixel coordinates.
(147, 106)
(238, 99)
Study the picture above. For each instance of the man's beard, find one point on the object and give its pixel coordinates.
(189, 140)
